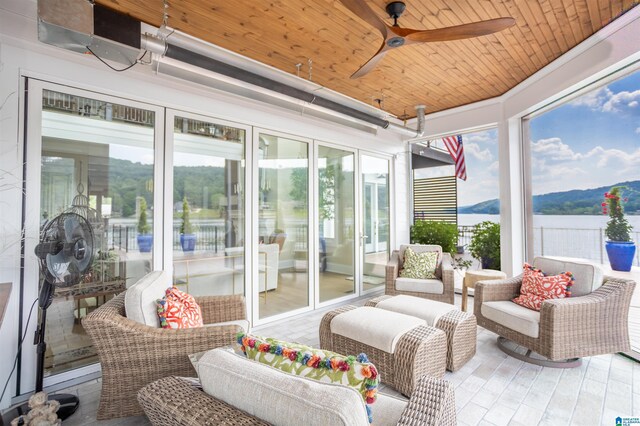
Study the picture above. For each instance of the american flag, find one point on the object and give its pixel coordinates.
(454, 146)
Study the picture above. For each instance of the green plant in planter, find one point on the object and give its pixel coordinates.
(485, 244)
(618, 228)
(441, 233)
(143, 223)
(186, 227)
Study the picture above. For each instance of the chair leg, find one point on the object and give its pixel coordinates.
(509, 348)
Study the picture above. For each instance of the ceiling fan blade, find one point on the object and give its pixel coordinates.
(458, 32)
(364, 12)
(371, 63)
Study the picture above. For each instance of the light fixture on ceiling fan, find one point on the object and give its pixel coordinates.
(395, 36)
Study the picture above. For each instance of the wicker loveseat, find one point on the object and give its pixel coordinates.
(133, 354)
(593, 321)
(439, 289)
(180, 401)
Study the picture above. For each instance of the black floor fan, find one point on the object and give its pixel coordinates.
(65, 253)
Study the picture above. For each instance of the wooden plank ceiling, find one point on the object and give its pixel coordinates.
(442, 75)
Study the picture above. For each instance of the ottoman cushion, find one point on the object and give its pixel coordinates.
(428, 310)
(377, 327)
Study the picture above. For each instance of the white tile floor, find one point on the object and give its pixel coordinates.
(491, 389)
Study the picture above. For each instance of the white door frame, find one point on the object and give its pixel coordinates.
(33, 150)
(361, 212)
(356, 226)
(170, 116)
(311, 243)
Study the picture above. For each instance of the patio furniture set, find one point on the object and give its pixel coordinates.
(411, 335)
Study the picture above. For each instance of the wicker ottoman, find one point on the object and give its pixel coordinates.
(460, 327)
(403, 348)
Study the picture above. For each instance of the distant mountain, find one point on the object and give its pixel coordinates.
(574, 202)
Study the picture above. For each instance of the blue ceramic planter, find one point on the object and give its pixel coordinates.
(188, 242)
(145, 242)
(620, 254)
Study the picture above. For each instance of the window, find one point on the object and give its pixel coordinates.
(578, 151)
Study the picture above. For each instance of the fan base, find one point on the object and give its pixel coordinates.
(395, 9)
(68, 405)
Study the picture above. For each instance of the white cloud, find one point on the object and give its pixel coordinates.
(554, 149)
(480, 154)
(494, 167)
(638, 130)
(622, 101)
(480, 137)
(594, 99)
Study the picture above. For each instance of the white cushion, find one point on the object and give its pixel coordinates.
(374, 327)
(242, 323)
(432, 286)
(140, 298)
(276, 397)
(387, 410)
(513, 316)
(587, 276)
(428, 310)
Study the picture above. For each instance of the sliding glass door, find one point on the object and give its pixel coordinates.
(282, 241)
(375, 237)
(336, 223)
(208, 227)
(98, 157)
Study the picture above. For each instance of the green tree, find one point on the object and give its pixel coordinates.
(143, 224)
(186, 227)
(440, 233)
(618, 228)
(485, 244)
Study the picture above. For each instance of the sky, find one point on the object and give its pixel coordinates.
(481, 159)
(589, 142)
(592, 141)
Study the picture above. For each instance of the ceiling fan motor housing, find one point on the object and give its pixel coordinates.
(395, 10)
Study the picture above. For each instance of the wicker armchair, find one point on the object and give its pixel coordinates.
(440, 289)
(172, 401)
(593, 321)
(132, 354)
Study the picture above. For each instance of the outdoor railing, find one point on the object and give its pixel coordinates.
(575, 242)
(585, 243)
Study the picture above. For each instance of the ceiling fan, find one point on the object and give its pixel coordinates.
(395, 37)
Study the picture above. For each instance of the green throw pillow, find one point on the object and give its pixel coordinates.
(419, 265)
(324, 366)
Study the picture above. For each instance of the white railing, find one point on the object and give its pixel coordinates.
(585, 243)
(575, 242)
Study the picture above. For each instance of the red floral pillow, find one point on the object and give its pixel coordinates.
(179, 310)
(537, 287)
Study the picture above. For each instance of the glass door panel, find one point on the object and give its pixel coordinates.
(336, 214)
(375, 219)
(283, 224)
(208, 207)
(97, 158)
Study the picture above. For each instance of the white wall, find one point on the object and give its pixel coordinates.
(613, 47)
(22, 55)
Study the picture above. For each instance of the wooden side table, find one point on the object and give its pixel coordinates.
(472, 277)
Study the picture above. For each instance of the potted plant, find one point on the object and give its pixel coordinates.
(441, 233)
(620, 247)
(145, 239)
(485, 244)
(187, 237)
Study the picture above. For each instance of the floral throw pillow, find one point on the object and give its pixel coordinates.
(419, 265)
(179, 310)
(537, 287)
(324, 366)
